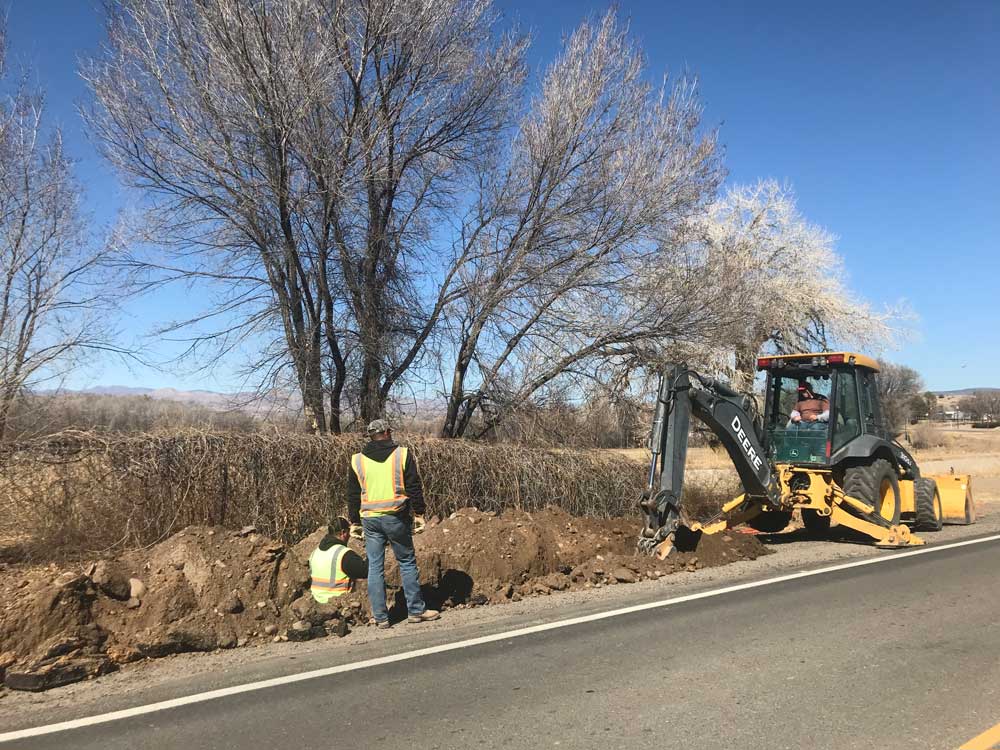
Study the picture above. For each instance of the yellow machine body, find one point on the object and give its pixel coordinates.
(957, 505)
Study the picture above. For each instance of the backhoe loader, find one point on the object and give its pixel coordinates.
(834, 462)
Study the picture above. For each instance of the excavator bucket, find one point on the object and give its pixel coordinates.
(957, 505)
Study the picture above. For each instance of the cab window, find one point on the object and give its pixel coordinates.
(869, 411)
(847, 423)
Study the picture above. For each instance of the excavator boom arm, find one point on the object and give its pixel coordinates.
(727, 414)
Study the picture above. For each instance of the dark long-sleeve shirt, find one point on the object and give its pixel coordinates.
(380, 450)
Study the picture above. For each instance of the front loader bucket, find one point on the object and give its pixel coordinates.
(957, 505)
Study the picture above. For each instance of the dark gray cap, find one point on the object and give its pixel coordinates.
(378, 425)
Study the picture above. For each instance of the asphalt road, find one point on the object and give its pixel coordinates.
(898, 654)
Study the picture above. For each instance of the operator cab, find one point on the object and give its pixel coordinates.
(817, 404)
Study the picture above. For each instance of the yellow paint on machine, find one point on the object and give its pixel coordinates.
(957, 505)
(988, 740)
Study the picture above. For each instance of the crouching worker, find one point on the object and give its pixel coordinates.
(333, 566)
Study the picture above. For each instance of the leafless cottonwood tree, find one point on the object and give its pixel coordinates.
(53, 300)
(301, 155)
(785, 279)
(367, 178)
(572, 262)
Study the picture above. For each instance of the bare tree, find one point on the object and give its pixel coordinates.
(982, 405)
(298, 154)
(571, 265)
(898, 386)
(53, 299)
(786, 278)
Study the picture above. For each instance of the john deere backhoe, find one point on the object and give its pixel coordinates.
(839, 465)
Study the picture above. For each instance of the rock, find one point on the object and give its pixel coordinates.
(228, 640)
(623, 575)
(111, 579)
(339, 629)
(137, 589)
(247, 531)
(308, 609)
(63, 671)
(271, 629)
(123, 654)
(70, 580)
(60, 646)
(232, 604)
(555, 581)
(133, 603)
(303, 630)
(190, 639)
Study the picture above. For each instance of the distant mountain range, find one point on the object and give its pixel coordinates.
(165, 394)
(965, 391)
(249, 402)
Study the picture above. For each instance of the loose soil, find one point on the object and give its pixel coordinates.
(209, 588)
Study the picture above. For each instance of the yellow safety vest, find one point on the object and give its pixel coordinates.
(328, 577)
(382, 488)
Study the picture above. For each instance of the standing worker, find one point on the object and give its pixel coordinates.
(333, 566)
(385, 498)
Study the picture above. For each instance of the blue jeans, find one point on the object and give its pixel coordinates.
(396, 531)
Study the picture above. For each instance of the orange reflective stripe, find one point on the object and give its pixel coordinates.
(398, 459)
(357, 461)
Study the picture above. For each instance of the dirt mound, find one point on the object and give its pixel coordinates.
(478, 557)
(211, 588)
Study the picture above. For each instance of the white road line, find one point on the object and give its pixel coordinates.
(128, 713)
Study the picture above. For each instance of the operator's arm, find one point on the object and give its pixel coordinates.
(825, 415)
(412, 486)
(354, 565)
(353, 498)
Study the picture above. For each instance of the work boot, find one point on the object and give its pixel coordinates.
(426, 616)
(381, 624)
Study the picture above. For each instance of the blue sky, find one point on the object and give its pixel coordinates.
(885, 117)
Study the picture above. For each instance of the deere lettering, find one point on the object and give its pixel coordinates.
(741, 435)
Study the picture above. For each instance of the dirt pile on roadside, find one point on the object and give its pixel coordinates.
(478, 557)
(210, 588)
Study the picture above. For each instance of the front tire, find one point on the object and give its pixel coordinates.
(927, 504)
(876, 484)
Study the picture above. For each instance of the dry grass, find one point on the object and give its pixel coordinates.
(87, 493)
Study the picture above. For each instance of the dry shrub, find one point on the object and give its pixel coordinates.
(925, 436)
(706, 492)
(85, 493)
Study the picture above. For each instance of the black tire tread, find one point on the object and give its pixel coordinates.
(862, 482)
(924, 492)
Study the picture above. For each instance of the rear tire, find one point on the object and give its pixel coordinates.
(770, 522)
(876, 484)
(814, 522)
(927, 504)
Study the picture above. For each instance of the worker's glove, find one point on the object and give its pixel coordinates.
(357, 531)
(418, 524)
